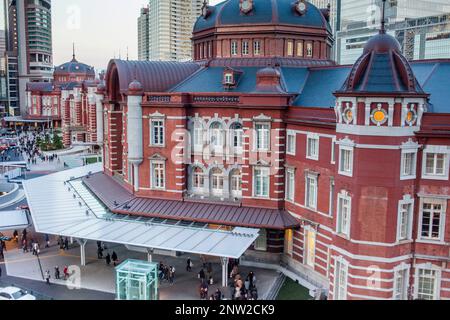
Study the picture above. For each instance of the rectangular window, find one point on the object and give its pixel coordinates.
(310, 247)
(245, 48)
(312, 148)
(257, 47)
(340, 280)
(309, 50)
(198, 136)
(346, 161)
(290, 184)
(234, 48)
(311, 191)
(261, 182)
(401, 284)
(158, 175)
(426, 284)
(157, 132)
(290, 143)
(404, 221)
(332, 186)
(333, 151)
(290, 49)
(262, 137)
(431, 221)
(300, 49)
(435, 164)
(261, 241)
(343, 214)
(408, 165)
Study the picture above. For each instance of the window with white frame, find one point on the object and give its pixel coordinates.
(290, 184)
(237, 136)
(198, 180)
(262, 136)
(234, 48)
(309, 50)
(311, 191)
(435, 163)
(312, 147)
(401, 283)
(217, 181)
(343, 213)
(333, 151)
(290, 48)
(158, 175)
(257, 47)
(427, 283)
(290, 143)
(261, 182)
(309, 247)
(405, 219)
(346, 160)
(332, 188)
(340, 279)
(236, 183)
(432, 218)
(157, 132)
(216, 135)
(245, 48)
(408, 164)
(197, 136)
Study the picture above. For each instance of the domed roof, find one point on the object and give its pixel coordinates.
(263, 12)
(382, 68)
(135, 88)
(74, 67)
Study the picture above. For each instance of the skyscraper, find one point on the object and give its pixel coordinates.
(167, 24)
(30, 32)
(361, 18)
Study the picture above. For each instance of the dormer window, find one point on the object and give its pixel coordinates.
(300, 7)
(228, 79)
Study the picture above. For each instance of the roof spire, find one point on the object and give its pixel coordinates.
(127, 54)
(73, 52)
(383, 18)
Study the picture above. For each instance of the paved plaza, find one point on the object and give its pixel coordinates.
(97, 276)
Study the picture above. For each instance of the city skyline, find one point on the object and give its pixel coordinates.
(73, 20)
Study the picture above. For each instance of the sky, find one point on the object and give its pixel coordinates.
(100, 30)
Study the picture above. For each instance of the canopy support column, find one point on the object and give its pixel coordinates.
(149, 255)
(82, 244)
(224, 262)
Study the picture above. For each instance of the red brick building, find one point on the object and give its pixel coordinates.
(345, 169)
(68, 102)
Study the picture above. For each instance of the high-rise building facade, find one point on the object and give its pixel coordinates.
(169, 29)
(360, 19)
(31, 33)
(144, 35)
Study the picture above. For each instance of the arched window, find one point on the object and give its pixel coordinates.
(236, 183)
(198, 180)
(216, 135)
(236, 133)
(217, 182)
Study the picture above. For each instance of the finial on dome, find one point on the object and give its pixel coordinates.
(73, 52)
(383, 18)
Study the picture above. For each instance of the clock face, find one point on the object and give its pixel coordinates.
(301, 7)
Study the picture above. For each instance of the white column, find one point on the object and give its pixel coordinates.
(99, 118)
(82, 244)
(135, 135)
(224, 262)
(149, 255)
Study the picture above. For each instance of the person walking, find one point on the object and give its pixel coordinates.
(189, 265)
(57, 273)
(47, 241)
(66, 244)
(114, 258)
(66, 272)
(100, 253)
(201, 275)
(47, 277)
(108, 259)
(171, 274)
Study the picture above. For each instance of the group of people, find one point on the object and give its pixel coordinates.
(57, 274)
(242, 288)
(166, 273)
(109, 257)
(28, 145)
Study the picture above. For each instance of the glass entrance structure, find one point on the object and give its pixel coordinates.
(137, 280)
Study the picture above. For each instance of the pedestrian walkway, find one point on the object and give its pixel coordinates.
(96, 275)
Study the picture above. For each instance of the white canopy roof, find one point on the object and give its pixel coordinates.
(10, 220)
(60, 204)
